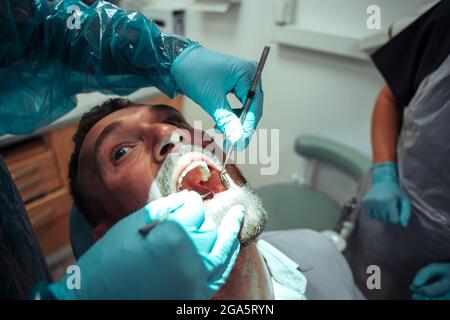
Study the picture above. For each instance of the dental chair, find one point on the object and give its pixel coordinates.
(296, 204)
(301, 203)
(80, 233)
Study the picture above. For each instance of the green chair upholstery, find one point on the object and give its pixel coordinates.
(345, 158)
(293, 205)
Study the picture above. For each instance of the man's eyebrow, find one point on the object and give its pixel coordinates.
(110, 128)
(163, 107)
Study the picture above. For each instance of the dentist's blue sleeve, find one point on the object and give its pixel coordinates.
(44, 63)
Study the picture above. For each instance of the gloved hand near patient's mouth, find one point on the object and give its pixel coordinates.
(207, 77)
(184, 257)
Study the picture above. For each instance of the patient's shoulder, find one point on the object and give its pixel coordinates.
(297, 239)
(327, 271)
(306, 247)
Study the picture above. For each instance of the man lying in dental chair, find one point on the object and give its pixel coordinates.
(125, 156)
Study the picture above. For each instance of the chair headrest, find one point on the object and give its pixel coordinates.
(80, 233)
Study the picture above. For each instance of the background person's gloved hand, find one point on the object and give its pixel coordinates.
(185, 257)
(207, 77)
(385, 200)
(432, 282)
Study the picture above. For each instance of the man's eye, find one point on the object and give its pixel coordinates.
(120, 153)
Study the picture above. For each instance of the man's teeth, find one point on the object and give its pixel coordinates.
(205, 174)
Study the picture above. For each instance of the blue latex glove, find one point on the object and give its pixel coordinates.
(207, 77)
(385, 200)
(185, 257)
(439, 289)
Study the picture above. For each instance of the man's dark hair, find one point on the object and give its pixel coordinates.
(88, 120)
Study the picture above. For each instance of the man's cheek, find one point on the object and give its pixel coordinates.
(133, 189)
(140, 181)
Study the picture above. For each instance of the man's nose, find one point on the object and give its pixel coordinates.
(169, 140)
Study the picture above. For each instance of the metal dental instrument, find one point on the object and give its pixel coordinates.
(204, 196)
(245, 109)
(147, 228)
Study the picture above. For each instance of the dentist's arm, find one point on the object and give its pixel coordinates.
(105, 49)
(385, 200)
(48, 57)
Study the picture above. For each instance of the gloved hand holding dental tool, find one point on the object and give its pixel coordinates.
(207, 77)
(47, 62)
(245, 110)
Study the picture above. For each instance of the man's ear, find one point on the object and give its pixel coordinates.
(100, 230)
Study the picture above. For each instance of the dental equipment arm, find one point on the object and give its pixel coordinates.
(184, 257)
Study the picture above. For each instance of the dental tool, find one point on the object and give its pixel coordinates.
(223, 174)
(204, 196)
(148, 227)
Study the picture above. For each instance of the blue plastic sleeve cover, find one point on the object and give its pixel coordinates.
(45, 59)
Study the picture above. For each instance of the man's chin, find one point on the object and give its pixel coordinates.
(255, 217)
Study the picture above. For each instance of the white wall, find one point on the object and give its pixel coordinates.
(305, 91)
(348, 17)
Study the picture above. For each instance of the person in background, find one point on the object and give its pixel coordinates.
(406, 226)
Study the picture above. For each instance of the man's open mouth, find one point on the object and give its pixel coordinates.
(196, 172)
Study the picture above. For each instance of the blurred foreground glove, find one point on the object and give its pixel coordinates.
(432, 282)
(185, 257)
(385, 200)
(207, 77)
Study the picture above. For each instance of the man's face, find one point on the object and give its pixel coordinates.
(133, 152)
